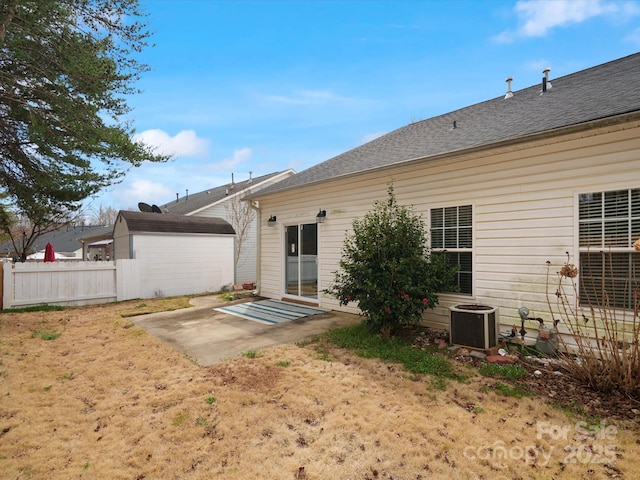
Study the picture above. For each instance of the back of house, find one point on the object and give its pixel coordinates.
(510, 189)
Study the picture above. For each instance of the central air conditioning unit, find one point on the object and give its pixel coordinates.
(474, 326)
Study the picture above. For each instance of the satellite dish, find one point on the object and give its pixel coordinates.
(144, 207)
(155, 209)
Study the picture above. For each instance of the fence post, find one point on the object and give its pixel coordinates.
(7, 286)
(127, 279)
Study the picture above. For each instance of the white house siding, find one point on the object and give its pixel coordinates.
(245, 267)
(198, 266)
(524, 208)
(246, 264)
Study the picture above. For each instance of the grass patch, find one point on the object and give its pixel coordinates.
(283, 363)
(164, 304)
(34, 308)
(180, 418)
(251, 354)
(210, 400)
(516, 391)
(44, 335)
(367, 343)
(227, 297)
(508, 372)
(190, 358)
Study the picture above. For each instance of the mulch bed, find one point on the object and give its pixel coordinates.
(550, 382)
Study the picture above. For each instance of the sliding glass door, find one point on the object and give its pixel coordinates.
(302, 260)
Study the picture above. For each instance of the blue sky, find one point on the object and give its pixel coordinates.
(261, 86)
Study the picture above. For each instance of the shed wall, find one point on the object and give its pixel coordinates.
(245, 265)
(204, 263)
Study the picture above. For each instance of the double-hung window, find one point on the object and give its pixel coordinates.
(609, 222)
(452, 235)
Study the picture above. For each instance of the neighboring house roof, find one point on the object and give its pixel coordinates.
(65, 239)
(601, 92)
(138, 222)
(197, 201)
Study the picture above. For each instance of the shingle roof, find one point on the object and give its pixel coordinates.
(138, 222)
(604, 91)
(197, 201)
(65, 239)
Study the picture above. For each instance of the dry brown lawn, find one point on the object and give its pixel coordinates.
(105, 400)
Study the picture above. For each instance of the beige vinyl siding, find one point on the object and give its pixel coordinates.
(524, 213)
(121, 243)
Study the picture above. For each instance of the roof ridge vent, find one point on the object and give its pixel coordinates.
(546, 84)
(509, 93)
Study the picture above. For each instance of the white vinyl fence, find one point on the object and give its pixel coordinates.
(68, 283)
(85, 283)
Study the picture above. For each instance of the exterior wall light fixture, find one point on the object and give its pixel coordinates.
(272, 221)
(322, 214)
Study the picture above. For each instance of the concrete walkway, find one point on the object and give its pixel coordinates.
(209, 336)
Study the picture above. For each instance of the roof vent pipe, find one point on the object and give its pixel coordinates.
(177, 197)
(187, 194)
(509, 93)
(546, 84)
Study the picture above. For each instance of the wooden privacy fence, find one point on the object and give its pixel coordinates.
(68, 283)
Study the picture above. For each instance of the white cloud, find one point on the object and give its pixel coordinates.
(184, 144)
(141, 190)
(541, 16)
(307, 97)
(239, 156)
(537, 17)
(372, 136)
(634, 37)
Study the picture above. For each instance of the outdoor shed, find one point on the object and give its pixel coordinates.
(225, 201)
(176, 254)
(509, 189)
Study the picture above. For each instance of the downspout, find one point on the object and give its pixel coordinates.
(255, 204)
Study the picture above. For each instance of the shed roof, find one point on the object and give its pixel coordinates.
(602, 92)
(139, 222)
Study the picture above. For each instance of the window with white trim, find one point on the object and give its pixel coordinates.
(609, 223)
(452, 235)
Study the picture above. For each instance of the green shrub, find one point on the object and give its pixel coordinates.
(387, 270)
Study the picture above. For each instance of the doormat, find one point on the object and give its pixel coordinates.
(270, 312)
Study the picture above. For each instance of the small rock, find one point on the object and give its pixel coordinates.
(537, 372)
(635, 411)
(507, 359)
(476, 354)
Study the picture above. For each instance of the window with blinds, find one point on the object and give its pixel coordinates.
(452, 235)
(609, 223)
